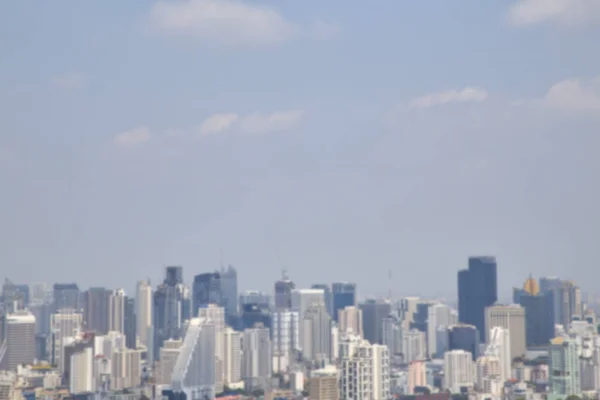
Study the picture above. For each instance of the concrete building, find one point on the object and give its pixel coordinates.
(19, 341)
(316, 334)
(511, 317)
(364, 369)
(168, 358)
(116, 311)
(126, 368)
(143, 303)
(232, 365)
(257, 358)
(459, 370)
(324, 384)
(374, 312)
(82, 371)
(302, 299)
(66, 323)
(565, 377)
(216, 315)
(350, 319)
(285, 332)
(417, 375)
(488, 380)
(499, 347)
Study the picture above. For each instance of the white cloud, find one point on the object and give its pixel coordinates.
(70, 81)
(132, 137)
(228, 21)
(574, 95)
(564, 12)
(274, 122)
(218, 123)
(466, 95)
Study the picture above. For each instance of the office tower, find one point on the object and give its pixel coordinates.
(167, 304)
(414, 345)
(511, 317)
(407, 307)
(564, 364)
(343, 295)
(143, 311)
(335, 343)
(257, 358)
(285, 333)
(499, 345)
(487, 375)
(126, 368)
(439, 315)
(168, 357)
(78, 371)
(39, 293)
(14, 297)
(232, 364)
(374, 312)
(302, 299)
(194, 372)
(442, 342)
(229, 291)
(254, 297)
(18, 346)
(116, 311)
(283, 293)
(567, 299)
(316, 340)
(417, 375)
(350, 319)
(65, 324)
(216, 316)
(464, 337)
(393, 336)
(327, 295)
(364, 369)
(252, 314)
(130, 323)
(539, 313)
(459, 370)
(81, 376)
(96, 302)
(66, 295)
(477, 289)
(420, 317)
(206, 290)
(324, 384)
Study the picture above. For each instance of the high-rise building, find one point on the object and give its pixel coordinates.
(374, 312)
(464, 337)
(477, 289)
(343, 295)
(19, 340)
(65, 324)
(459, 370)
(566, 297)
(232, 364)
(207, 289)
(539, 313)
(216, 315)
(499, 347)
(255, 297)
(126, 368)
(285, 333)
(417, 375)
(350, 319)
(364, 369)
(78, 372)
(96, 302)
(283, 293)
(143, 311)
(168, 357)
(194, 372)
(393, 336)
(252, 314)
(414, 345)
(511, 317)
(439, 315)
(257, 358)
(316, 341)
(116, 311)
(168, 305)
(173, 275)
(407, 309)
(66, 295)
(324, 384)
(565, 379)
(302, 299)
(229, 291)
(14, 297)
(130, 324)
(327, 295)
(487, 375)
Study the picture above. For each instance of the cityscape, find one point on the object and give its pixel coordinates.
(208, 339)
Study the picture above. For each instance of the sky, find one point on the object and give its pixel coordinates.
(339, 140)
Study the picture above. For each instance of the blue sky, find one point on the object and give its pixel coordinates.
(334, 139)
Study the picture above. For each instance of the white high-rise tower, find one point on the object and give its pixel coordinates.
(144, 311)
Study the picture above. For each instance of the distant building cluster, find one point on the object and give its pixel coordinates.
(206, 340)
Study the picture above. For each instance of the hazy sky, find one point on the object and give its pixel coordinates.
(338, 139)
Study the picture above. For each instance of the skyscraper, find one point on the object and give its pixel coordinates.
(283, 293)
(229, 291)
(167, 304)
(19, 344)
(459, 370)
(477, 289)
(257, 358)
(130, 324)
(343, 295)
(511, 317)
(206, 290)
(144, 311)
(216, 316)
(96, 302)
(64, 324)
(464, 337)
(116, 311)
(374, 312)
(328, 296)
(564, 366)
(350, 319)
(316, 325)
(66, 295)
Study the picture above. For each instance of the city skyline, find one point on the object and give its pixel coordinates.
(333, 140)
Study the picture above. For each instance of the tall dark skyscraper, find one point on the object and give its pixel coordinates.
(95, 309)
(229, 291)
(130, 323)
(464, 337)
(167, 303)
(477, 289)
(173, 275)
(374, 312)
(66, 295)
(206, 290)
(344, 295)
(283, 293)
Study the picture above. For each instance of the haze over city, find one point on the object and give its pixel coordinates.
(337, 140)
